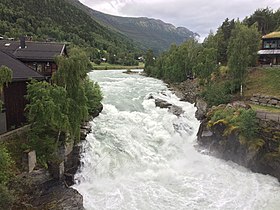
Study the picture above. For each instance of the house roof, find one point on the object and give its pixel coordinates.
(275, 34)
(20, 71)
(34, 51)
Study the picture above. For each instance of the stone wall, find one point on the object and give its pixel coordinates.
(268, 116)
(14, 134)
(265, 100)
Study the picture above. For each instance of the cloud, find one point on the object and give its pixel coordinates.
(200, 16)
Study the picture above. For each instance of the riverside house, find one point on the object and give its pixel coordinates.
(39, 56)
(270, 52)
(27, 60)
(12, 115)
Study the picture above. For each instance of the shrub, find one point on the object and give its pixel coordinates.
(216, 94)
(248, 124)
(6, 198)
(93, 94)
(6, 164)
(241, 119)
(97, 61)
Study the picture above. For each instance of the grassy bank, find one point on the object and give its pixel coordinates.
(107, 66)
(264, 81)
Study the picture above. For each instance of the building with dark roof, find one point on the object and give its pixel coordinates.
(270, 52)
(13, 95)
(39, 56)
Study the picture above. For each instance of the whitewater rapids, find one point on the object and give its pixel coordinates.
(142, 157)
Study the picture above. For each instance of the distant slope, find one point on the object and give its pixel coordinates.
(58, 20)
(149, 33)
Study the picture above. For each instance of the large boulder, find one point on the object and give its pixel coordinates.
(176, 110)
(201, 111)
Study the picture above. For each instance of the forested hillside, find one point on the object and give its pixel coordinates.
(58, 20)
(147, 32)
(221, 62)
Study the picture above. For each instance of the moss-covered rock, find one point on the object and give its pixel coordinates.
(220, 132)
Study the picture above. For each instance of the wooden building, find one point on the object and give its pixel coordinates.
(12, 115)
(270, 52)
(39, 56)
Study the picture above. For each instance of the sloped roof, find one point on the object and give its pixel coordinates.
(34, 51)
(20, 71)
(275, 34)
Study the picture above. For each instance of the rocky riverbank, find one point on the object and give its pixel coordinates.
(50, 189)
(260, 154)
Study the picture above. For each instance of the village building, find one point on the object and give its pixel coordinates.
(270, 52)
(13, 95)
(39, 56)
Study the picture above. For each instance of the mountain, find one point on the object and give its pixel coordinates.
(147, 32)
(58, 20)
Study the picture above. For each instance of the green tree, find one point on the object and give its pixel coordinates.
(94, 96)
(240, 52)
(5, 78)
(149, 62)
(222, 38)
(265, 20)
(206, 64)
(48, 108)
(71, 75)
(6, 163)
(56, 111)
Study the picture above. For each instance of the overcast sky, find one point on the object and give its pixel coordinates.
(199, 16)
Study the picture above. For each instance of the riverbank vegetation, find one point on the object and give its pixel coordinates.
(108, 66)
(6, 172)
(222, 62)
(5, 78)
(235, 119)
(221, 71)
(56, 110)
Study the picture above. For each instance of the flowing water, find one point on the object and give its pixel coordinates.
(142, 157)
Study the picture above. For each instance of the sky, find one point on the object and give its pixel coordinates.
(199, 16)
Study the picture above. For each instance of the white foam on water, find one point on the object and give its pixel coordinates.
(142, 157)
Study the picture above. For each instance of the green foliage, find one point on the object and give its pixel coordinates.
(6, 164)
(243, 120)
(248, 123)
(149, 62)
(177, 64)
(93, 94)
(48, 110)
(71, 75)
(58, 20)
(57, 110)
(48, 105)
(242, 51)
(44, 141)
(216, 94)
(206, 63)
(222, 39)
(267, 20)
(6, 198)
(5, 78)
(148, 33)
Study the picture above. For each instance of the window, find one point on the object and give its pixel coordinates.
(270, 44)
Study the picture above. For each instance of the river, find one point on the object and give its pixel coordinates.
(142, 157)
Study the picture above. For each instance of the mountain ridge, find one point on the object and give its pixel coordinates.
(147, 32)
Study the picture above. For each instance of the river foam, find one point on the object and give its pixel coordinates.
(142, 157)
